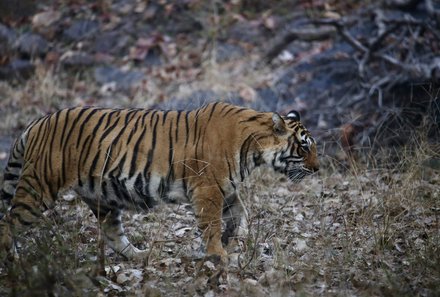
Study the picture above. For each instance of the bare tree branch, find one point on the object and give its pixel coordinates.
(434, 13)
(310, 34)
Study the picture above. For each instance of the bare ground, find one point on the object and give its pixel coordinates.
(366, 231)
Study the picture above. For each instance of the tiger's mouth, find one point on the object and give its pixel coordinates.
(297, 172)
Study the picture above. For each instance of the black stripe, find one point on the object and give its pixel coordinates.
(243, 156)
(81, 128)
(120, 189)
(10, 176)
(212, 110)
(144, 115)
(196, 123)
(119, 168)
(85, 156)
(109, 118)
(224, 107)
(231, 178)
(139, 185)
(163, 189)
(187, 127)
(133, 130)
(42, 143)
(110, 129)
(151, 150)
(220, 188)
(75, 121)
(229, 110)
(107, 159)
(170, 175)
(81, 153)
(6, 196)
(252, 118)
(179, 113)
(32, 210)
(130, 115)
(135, 153)
(240, 110)
(21, 220)
(152, 116)
(184, 182)
(164, 117)
(57, 116)
(37, 125)
(98, 124)
(66, 121)
(92, 169)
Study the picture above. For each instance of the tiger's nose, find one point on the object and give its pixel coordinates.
(313, 165)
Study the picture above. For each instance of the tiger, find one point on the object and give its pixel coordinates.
(122, 159)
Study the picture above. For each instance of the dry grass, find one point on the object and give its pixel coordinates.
(372, 228)
(362, 231)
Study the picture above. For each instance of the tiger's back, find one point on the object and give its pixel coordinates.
(133, 158)
(119, 153)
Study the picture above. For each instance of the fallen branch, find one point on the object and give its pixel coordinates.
(419, 70)
(434, 13)
(310, 34)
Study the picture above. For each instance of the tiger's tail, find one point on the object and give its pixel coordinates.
(12, 173)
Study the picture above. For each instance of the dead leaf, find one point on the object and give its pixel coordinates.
(45, 19)
(247, 93)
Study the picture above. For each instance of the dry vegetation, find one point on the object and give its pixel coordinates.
(367, 230)
(369, 225)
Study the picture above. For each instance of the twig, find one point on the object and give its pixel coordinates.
(340, 27)
(254, 250)
(420, 70)
(434, 13)
(303, 34)
(412, 22)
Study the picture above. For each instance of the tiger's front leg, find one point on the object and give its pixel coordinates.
(234, 217)
(208, 207)
(111, 226)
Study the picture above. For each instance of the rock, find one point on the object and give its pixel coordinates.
(30, 44)
(7, 37)
(267, 100)
(245, 32)
(183, 23)
(227, 52)
(17, 69)
(76, 59)
(271, 277)
(81, 29)
(111, 43)
(45, 23)
(45, 19)
(16, 10)
(153, 58)
(105, 42)
(124, 80)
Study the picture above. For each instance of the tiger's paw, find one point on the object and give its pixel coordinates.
(5, 236)
(135, 254)
(218, 256)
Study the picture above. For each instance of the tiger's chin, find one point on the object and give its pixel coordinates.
(296, 175)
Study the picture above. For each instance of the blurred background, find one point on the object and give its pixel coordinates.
(362, 73)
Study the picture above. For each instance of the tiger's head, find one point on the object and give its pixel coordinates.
(294, 151)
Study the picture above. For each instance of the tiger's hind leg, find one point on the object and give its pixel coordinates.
(234, 217)
(113, 231)
(27, 207)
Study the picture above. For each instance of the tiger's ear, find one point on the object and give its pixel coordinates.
(293, 115)
(279, 126)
